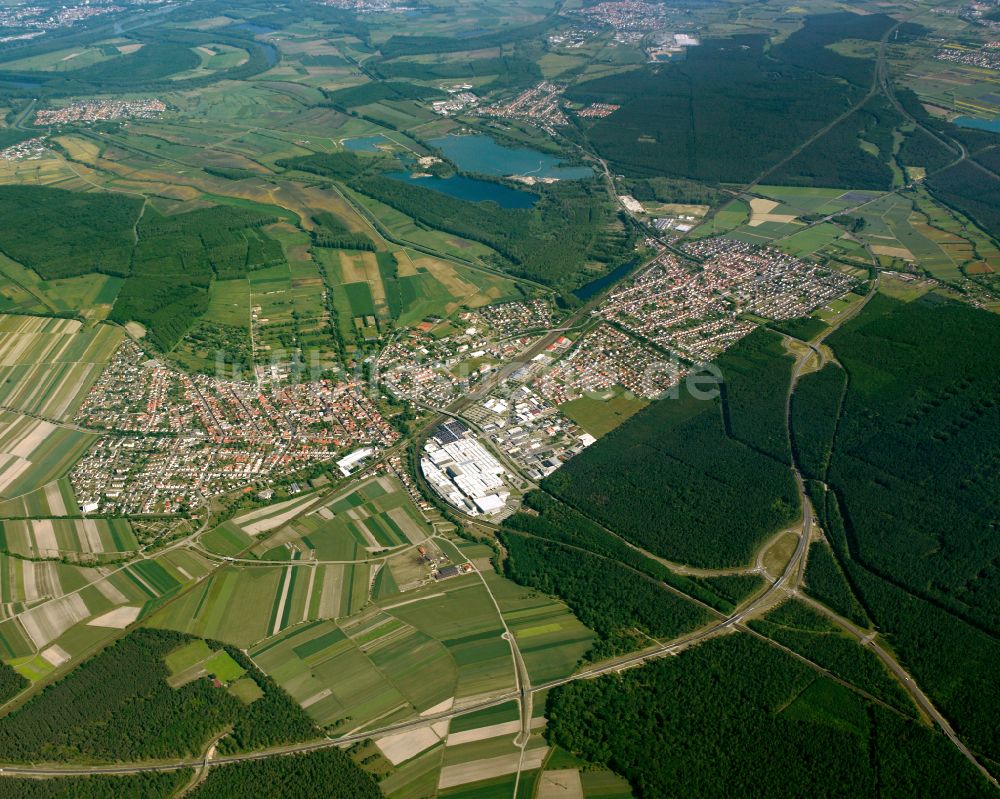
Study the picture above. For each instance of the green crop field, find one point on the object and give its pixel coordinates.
(48, 365)
(51, 500)
(376, 516)
(329, 675)
(34, 452)
(66, 538)
(244, 605)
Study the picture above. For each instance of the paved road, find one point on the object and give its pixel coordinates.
(869, 640)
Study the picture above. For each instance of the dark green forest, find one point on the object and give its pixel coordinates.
(62, 234)
(915, 457)
(736, 717)
(734, 108)
(912, 511)
(154, 785)
(548, 518)
(324, 774)
(117, 706)
(815, 408)
(802, 629)
(11, 683)
(377, 91)
(703, 482)
(398, 46)
(836, 159)
(177, 257)
(825, 581)
(623, 607)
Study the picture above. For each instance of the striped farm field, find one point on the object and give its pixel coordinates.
(326, 673)
(551, 639)
(376, 516)
(51, 500)
(59, 609)
(59, 538)
(242, 606)
(460, 614)
(34, 452)
(48, 365)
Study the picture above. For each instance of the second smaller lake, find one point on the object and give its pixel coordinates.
(470, 189)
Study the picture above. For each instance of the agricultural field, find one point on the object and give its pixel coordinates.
(60, 611)
(70, 59)
(551, 639)
(371, 667)
(73, 539)
(461, 615)
(290, 204)
(243, 605)
(599, 416)
(403, 287)
(48, 365)
(51, 500)
(373, 518)
(23, 291)
(34, 452)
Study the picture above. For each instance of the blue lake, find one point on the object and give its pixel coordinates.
(470, 189)
(594, 287)
(992, 125)
(479, 153)
(364, 144)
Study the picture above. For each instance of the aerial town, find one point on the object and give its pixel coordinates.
(606, 358)
(203, 435)
(38, 19)
(460, 97)
(693, 308)
(539, 105)
(24, 150)
(101, 110)
(985, 57)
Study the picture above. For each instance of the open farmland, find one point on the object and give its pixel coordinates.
(51, 500)
(244, 605)
(61, 611)
(48, 365)
(34, 452)
(372, 518)
(373, 668)
(461, 615)
(83, 539)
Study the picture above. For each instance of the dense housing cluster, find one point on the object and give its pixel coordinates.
(204, 435)
(434, 372)
(40, 18)
(678, 307)
(101, 110)
(606, 358)
(515, 318)
(539, 105)
(987, 57)
(24, 151)
(769, 282)
(693, 309)
(627, 15)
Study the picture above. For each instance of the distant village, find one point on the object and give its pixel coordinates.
(101, 110)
